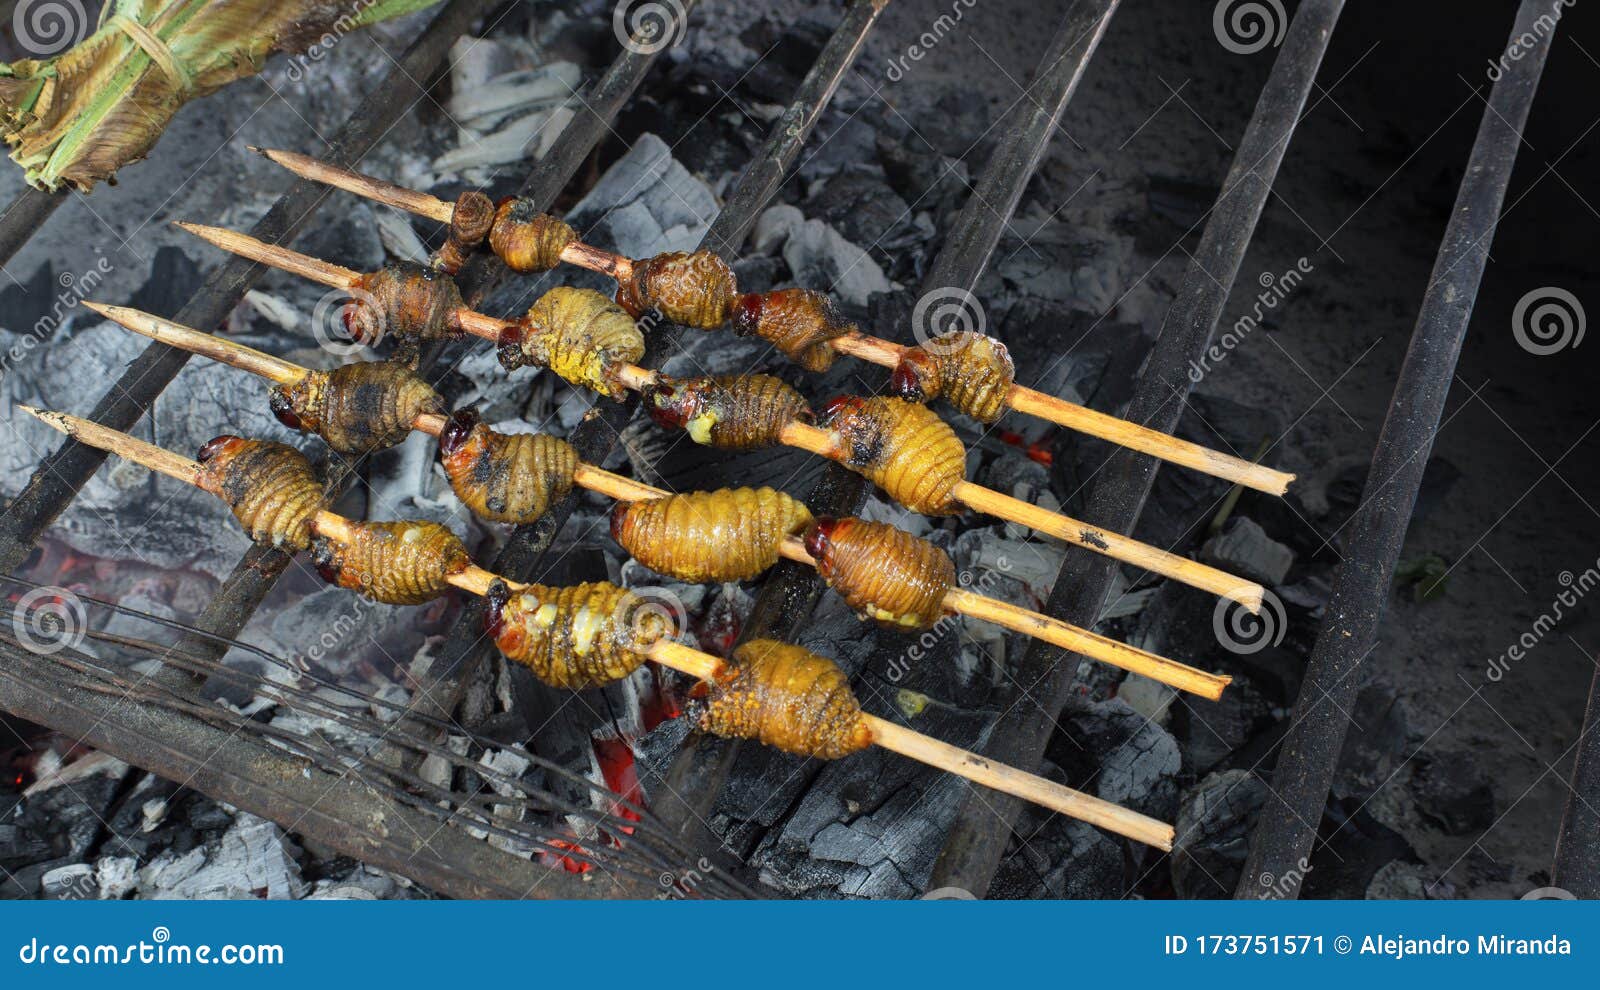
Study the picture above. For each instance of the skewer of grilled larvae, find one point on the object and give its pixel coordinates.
(971, 371)
(903, 447)
(885, 574)
(580, 636)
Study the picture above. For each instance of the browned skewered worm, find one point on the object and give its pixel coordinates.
(696, 290)
(398, 563)
(527, 240)
(506, 477)
(471, 221)
(409, 302)
(269, 486)
(798, 322)
(788, 698)
(582, 636)
(972, 371)
(882, 572)
(903, 448)
(734, 412)
(357, 408)
(728, 535)
(577, 333)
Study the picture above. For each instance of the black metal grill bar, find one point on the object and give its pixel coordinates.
(23, 218)
(791, 591)
(1310, 750)
(1577, 866)
(56, 483)
(973, 848)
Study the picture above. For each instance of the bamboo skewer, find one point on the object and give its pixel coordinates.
(807, 437)
(958, 600)
(907, 742)
(1020, 398)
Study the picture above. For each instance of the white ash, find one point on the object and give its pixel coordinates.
(819, 256)
(1245, 549)
(399, 238)
(646, 203)
(250, 860)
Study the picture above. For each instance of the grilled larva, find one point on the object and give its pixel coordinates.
(882, 572)
(398, 563)
(788, 698)
(406, 301)
(577, 637)
(527, 240)
(577, 333)
(269, 486)
(734, 412)
(356, 407)
(902, 448)
(727, 535)
(506, 477)
(696, 290)
(798, 322)
(971, 370)
(470, 222)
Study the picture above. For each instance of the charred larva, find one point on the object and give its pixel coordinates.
(902, 448)
(733, 412)
(973, 371)
(471, 220)
(728, 535)
(582, 636)
(798, 322)
(506, 477)
(788, 698)
(409, 302)
(577, 333)
(696, 290)
(526, 239)
(358, 407)
(269, 486)
(884, 573)
(398, 563)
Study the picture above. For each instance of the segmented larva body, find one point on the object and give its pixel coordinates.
(884, 573)
(902, 448)
(696, 290)
(527, 240)
(409, 302)
(728, 535)
(577, 333)
(577, 637)
(505, 477)
(269, 486)
(798, 322)
(470, 222)
(734, 412)
(357, 407)
(788, 698)
(973, 371)
(398, 563)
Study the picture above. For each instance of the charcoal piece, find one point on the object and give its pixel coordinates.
(28, 309)
(1245, 549)
(1061, 858)
(817, 254)
(1214, 822)
(1351, 848)
(1454, 792)
(174, 277)
(934, 182)
(645, 203)
(1379, 738)
(1113, 752)
(1399, 880)
(858, 205)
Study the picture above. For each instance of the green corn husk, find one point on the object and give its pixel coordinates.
(75, 118)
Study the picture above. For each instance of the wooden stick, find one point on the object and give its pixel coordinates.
(907, 742)
(216, 348)
(273, 255)
(364, 186)
(825, 444)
